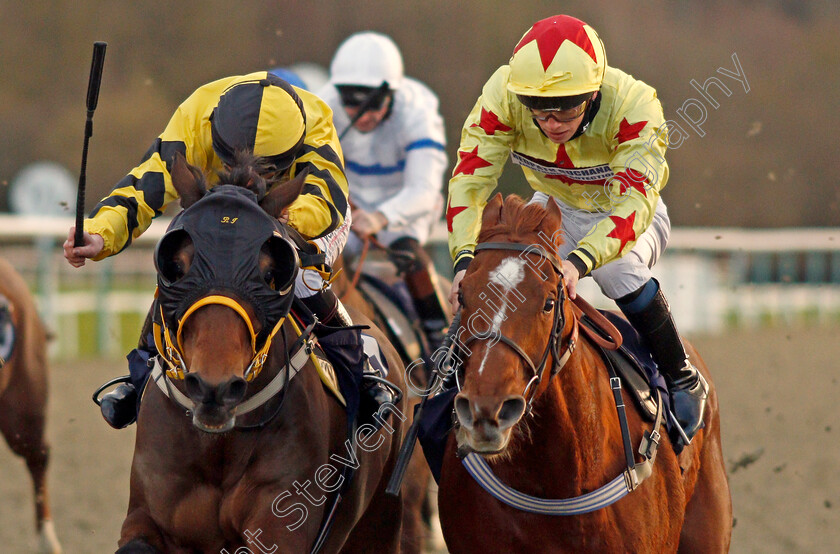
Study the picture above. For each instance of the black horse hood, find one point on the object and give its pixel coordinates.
(228, 231)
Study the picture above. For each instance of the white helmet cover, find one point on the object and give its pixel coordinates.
(367, 59)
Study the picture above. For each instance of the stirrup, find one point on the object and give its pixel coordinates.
(118, 407)
(688, 403)
(116, 381)
(387, 387)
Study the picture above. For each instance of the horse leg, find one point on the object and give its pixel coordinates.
(378, 531)
(708, 517)
(25, 435)
(140, 534)
(138, 546)
(415, 493)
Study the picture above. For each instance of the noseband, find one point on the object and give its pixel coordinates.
(557, 326)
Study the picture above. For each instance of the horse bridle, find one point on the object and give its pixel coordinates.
(634, 473)
(559, 322)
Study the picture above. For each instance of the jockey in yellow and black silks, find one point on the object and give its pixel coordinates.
(288, 128)
(592, 139)
(294, 134)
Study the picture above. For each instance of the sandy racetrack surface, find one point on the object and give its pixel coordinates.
(779, 395)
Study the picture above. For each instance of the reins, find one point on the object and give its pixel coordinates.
(582, 307)
(366, 243)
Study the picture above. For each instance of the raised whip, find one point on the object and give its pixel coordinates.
(94, 81)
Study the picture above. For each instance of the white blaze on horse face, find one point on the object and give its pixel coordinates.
(509, 274)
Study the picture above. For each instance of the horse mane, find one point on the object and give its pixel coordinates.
(518, 221)
(248, 172)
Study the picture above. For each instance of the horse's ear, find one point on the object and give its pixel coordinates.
(187, 180)
(279, 197)
(492, 212)
(554, 217)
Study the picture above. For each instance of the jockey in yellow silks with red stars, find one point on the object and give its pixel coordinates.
(593, 139)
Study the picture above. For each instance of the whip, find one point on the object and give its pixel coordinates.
(94, 81)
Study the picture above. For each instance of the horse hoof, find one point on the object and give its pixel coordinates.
(47, 540)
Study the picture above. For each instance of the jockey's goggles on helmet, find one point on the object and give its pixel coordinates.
(560, 116)
(354, 96)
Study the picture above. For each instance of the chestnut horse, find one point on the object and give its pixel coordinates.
(227, 481)
(537, 407)
(23, 391)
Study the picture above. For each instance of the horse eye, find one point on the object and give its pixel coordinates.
(460, 298)
(269, 278)
(549, 305)
(180, 270)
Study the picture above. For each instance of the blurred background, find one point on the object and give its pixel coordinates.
(768, 157)
(753, 270)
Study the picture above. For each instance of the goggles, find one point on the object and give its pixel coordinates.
(355, 96)
(560, 116)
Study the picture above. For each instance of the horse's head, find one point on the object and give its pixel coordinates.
(514, 314)
(226, 272)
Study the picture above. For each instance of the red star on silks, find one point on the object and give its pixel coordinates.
(470, 161)
(623, 229)
(626, 131)
(550, 35)
(630, 178)
(451, 213)
(490, 123)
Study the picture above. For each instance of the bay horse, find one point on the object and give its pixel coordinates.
(23, 391)
(419, 503)
(222, 480)
(537, 408)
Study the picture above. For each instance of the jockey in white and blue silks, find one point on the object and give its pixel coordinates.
(394, 156)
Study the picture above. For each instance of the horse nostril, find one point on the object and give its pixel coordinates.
(462, 410)
(197, 389)
(511, 411)
(233, 391)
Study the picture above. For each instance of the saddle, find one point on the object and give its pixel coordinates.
(631, 360)
(393, 304)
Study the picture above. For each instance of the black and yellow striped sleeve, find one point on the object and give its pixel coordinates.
(147, 190)
(323, 203)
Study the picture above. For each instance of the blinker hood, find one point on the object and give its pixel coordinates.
(227, 229)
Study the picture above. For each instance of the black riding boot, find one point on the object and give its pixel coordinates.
(120, 407)
(331, 313)
(648, 311)
(417, 269)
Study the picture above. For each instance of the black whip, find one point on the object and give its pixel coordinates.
(94, 81)
(407, 448)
